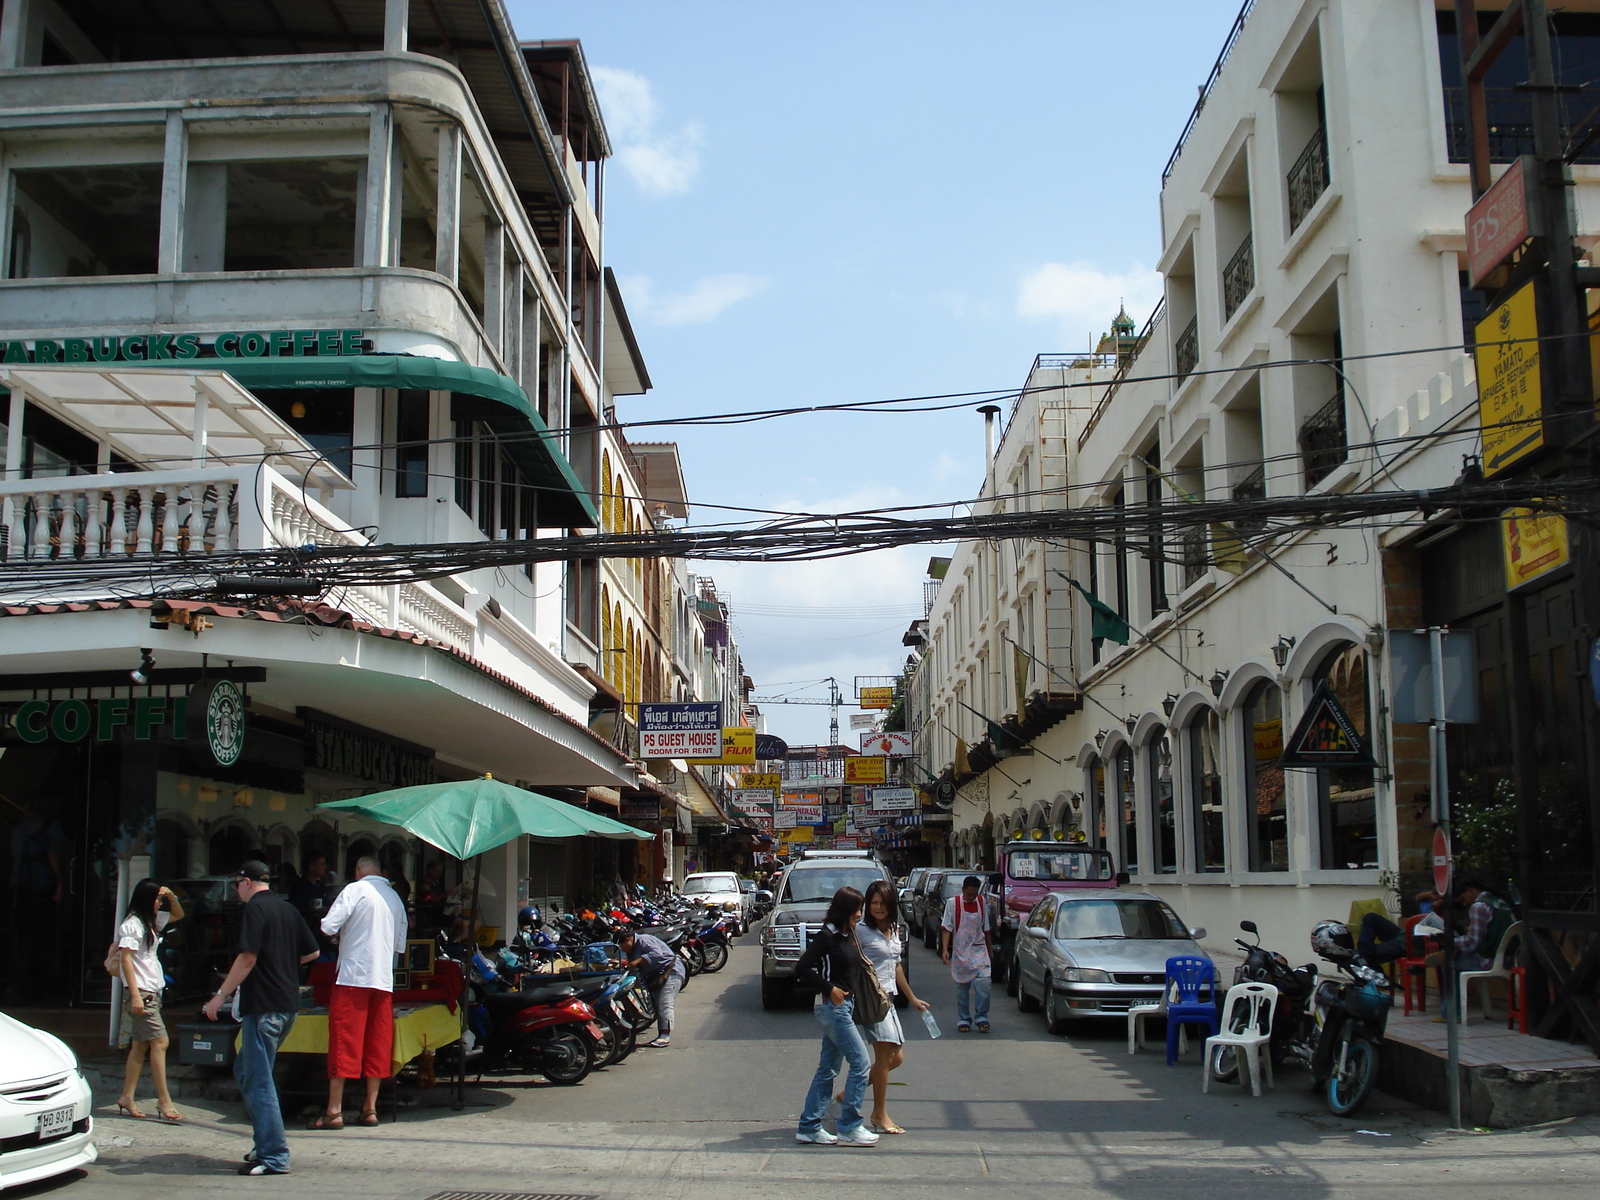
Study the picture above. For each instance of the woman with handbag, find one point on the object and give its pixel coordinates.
(878, 935)
(833, 965)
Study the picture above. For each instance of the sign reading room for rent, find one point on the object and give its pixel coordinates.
(680, 730)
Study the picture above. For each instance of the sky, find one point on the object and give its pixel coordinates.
(814, 202)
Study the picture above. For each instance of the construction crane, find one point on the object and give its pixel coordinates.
(833, 701)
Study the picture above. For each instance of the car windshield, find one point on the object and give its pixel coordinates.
(1111, 919)
(1057, 865)
(705, 887)
(950, 885)
(818, 884)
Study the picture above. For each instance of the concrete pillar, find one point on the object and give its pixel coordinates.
(396, 20)
(447, 255)
(365, 460)
(494, 285)
(174, 191)
(205, 217)
(511, 353)
(377, 208)
(15, 25)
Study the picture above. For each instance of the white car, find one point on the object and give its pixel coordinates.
(720, 889)
(45, 1125)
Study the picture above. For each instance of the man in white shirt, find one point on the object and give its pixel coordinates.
(370, 923)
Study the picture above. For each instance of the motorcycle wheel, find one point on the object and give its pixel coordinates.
(697, 958)
(1348, 1089)
(567, 1058)
(716, 955)
(624, 1035)
(605, 1050)
(647, 1008)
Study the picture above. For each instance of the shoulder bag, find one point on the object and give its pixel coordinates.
(872, 1002)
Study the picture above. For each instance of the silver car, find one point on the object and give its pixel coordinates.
(1094, 952)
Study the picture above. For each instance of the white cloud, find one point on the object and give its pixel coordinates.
(661, 162)
(1082, 299)
(705, 301)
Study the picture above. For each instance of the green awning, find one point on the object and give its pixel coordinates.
(563, 500)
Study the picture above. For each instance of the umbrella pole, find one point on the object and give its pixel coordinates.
(472, 923)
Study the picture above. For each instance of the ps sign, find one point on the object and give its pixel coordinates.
(680, 730)
(1502, 219)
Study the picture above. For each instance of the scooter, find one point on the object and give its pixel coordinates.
(1331, 1027)
(544, 1030)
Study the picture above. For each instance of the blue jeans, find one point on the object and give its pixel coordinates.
(667, 996)
(972, 1001)
(260, 1036)
(841, 1042)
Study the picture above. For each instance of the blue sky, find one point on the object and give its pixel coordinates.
(821, 202)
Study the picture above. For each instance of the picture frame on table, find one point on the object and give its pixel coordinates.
(402, 980)
(418, 957)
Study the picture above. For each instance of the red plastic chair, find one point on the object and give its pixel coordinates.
(1413, 969)
(1517, 1000)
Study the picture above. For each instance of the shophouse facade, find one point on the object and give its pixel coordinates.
(336, 279)
(1312, 339)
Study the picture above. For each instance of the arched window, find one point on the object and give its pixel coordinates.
(1124, 818)
(605, 629)
(1346, 796)
(1204, 738)
(1158, 770)
(1094, 818)
(1262, 734)
(605, 487)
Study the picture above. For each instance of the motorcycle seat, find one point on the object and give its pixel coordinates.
(510, 1002)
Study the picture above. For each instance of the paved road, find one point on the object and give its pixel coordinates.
(1016, 1113)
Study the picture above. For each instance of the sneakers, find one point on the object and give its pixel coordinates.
(259, 1168)
(661, 1043)
(858, 1137)
(821, 1137)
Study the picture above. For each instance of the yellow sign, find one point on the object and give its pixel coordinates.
(877, 697)
(738, 748)
(865, 770)
(800, 833)
(1510, 400)
(763, 780)
(1268, 740)
(1535, 544)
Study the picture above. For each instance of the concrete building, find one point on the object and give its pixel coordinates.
(1311, 340)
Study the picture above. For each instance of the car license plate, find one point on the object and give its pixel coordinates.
(55, 1123)
(595, 1031)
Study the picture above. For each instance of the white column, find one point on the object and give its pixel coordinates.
(19, 402)
(14, 26)
(396, 19)
(447, 254)
(364, 509)
(441, 466)
(494, 284)
(511, 353)
(376, 213)
(202, 407)
(174, 187)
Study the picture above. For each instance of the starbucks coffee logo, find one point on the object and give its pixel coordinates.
(217, 718)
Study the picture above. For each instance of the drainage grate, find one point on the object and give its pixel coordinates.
(511, 1196)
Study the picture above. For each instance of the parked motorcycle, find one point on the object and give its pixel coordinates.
(1332, 1027)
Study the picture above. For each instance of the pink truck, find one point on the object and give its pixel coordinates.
(1026, 872)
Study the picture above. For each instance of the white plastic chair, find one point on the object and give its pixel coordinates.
(1500, 968)
(1260, 999)
(1136, 1015)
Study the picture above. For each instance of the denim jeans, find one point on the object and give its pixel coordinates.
(666, 998)
(1381, 940)
(260, 1036)
(841, 1042)
(972, 1000)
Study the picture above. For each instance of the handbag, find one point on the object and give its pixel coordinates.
(872, 1002)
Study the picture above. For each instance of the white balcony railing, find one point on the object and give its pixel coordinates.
(194, 514)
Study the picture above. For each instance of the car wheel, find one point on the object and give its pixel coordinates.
(1054, 1022)
(1025, 1002)
(1013, 976)
(776, 993)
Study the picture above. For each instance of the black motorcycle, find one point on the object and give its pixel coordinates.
(1331, 1027)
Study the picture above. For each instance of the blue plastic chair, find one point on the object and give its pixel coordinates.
(1188, 977)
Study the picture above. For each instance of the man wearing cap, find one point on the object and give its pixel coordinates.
(370, 923)
(274, 942)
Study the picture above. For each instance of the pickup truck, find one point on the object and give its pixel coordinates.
(1027, 872)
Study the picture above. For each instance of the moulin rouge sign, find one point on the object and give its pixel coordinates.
(162, 347)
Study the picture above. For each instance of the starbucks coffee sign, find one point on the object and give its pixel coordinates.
(216, 714)
(160, 347)
(210, 720)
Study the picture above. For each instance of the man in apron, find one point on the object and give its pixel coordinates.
(964, 931)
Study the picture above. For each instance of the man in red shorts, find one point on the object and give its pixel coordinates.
(370, 922)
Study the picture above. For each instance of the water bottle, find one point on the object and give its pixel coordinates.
(930, 1023)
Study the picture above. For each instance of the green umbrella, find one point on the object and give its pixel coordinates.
(468, 817)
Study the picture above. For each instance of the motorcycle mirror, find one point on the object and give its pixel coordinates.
(1248, 926)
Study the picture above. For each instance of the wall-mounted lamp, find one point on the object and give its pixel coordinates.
(1280, 650)
(1169, 703)
(1132, 722)
(147, 663)
(1218, 682)
(1100, 738)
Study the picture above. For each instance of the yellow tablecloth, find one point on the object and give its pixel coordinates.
(415, 1030)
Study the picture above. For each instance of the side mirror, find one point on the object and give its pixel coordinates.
(1034, 931)
(1122, 878)
(1248, 926)
(1198, 932)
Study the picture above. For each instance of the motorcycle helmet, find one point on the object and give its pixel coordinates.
(528, 915)
(1332, 941)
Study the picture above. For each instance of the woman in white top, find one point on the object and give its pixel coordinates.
(878, 935)
(151, 908)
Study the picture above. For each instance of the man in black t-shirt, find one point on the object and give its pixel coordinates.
(274, 942)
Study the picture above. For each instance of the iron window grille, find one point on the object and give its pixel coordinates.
(1238, 278)
(1308, 178)
(1186, 350)
(1322, 440)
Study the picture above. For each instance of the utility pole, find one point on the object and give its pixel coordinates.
(834, 700)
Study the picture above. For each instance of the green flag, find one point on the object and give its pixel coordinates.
(1107, 623)
(998, 733)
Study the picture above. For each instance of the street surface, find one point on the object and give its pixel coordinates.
(1016, 1113)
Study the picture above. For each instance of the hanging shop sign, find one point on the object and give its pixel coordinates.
(639, 806)
(761, 779)
(1326, 736)
(752, 801)
(1535, 544)
(800, 833)
(738, 748)
(784, 818)
(1503, 219)
(344, 748)
(807, 814)
(769, 747)
(877, 697)
(894, 799)
(680, 730)
(218, 707)
(893, 745)
(846, 843)
(862, 720)
(38, 721)
(162, 347)
(865, 770)
(1510, 397)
